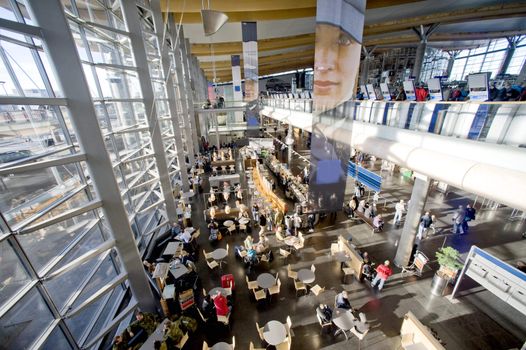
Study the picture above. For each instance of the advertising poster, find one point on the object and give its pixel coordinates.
(250, 65)
(435, 89)
(385, 91)
(478, 87)
(409, 88)
(339, 30)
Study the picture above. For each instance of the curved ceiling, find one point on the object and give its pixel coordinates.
(286, 28)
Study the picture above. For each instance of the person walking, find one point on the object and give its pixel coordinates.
(425, 223)
(399, 210)
(468, 216)
(458, 220)
(382, 274)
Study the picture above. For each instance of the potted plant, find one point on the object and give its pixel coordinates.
(449, 265)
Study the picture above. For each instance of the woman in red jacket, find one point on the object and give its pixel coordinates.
(382, 273)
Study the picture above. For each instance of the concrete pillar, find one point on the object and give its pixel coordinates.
(419, 60)
(412, 220)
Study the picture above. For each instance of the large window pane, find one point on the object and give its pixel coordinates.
(45, 244)
(13, 275)
(63, 286)
(56, 340)
(517, 61)
(25, 322)
(27, 194)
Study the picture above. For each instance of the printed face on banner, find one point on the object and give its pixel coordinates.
(336, 64)
(251, 90)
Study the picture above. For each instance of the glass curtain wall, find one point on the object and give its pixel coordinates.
(55, 245)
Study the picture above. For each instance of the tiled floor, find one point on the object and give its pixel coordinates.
(475, 322)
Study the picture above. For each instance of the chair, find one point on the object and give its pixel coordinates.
(323, 324)
(204, 292)
(285, 345)
(233, 342)
(266, 257)
(224, 319)
(251, 347)
(284, 254)
(317, 290)
(231, 229)
(227, 248)
(205, 319)
(205, 346)
(260, 331)
(251, 284)
(243, 227)
(313, 268)
(207, 255)
(359, 335)
(299, 286)
(301, 243)
(183, 341)
(259, 294)
(276, 288)
(212, 264)
(289, 326)
(292, 274)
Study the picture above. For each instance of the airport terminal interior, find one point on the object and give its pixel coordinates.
(248, 174)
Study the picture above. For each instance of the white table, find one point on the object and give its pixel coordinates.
(228, 223)
(222, 290)
(291, 240)
(178, 270)
(169, 292)
(266, 280)
(306, 276)
(190, 230)
(274, 332)
(216, 180)
(171, 248)
(222, 346)
(219, 254)
(244, 221)
(343, 319)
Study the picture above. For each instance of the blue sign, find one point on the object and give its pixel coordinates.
(364, 176)
(237, 88)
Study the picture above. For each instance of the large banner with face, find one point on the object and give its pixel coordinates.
(339, 30)
(250, 65)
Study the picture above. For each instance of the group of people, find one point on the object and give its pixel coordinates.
(461, 217)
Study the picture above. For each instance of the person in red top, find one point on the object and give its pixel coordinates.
(421, 93)
(220, 302)
(382, 273)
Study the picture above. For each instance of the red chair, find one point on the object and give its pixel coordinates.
(227, 281)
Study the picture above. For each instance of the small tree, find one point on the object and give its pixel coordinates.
(448, 260)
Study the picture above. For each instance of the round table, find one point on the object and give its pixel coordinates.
(266, 280)
(291, 240)
(274, 332)
(214, 291)
(228, 223)
(219, 254)
(343, 319)
(306, 276)
(244, 221)
(222, 346)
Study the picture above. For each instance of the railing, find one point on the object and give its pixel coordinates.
(213, 105)
(495, 122)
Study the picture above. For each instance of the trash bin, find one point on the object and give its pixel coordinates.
(438, 285)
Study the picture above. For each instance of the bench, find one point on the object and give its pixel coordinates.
(366, 220)
(356, 261)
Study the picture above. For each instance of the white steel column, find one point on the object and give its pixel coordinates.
(168, 76)
(62, 53)
(183, 94)
(131, 15)
(185, 47)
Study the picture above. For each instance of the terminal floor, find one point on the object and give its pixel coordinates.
(476, 322)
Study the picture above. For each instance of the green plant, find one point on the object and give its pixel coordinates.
(448, 257)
